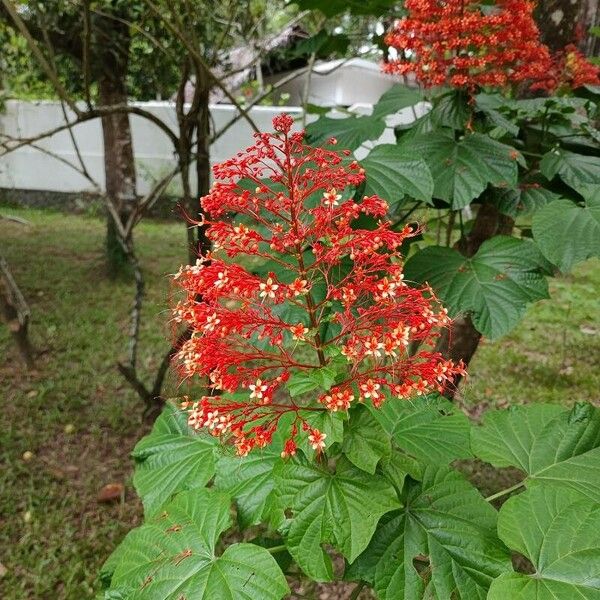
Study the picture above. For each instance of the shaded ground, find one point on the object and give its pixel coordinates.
(67, 428)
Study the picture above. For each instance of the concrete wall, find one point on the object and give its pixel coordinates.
(31, 169)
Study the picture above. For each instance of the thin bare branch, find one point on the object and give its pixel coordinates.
(68, 163)
(99, 111)
(16, 313)
(201, 61)
(86, 54)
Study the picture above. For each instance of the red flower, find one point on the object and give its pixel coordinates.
(570, 70)
(463, 44)
(285, 202)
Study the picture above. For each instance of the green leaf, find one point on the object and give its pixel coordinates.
(350, 132)
(249, 481)
(442, 545)
(462, 169)
(365, 441)
(495, 285)
(392, 175)
(170, 459)
(567, 233)
(395, 99)
(324, 377)
(301, 383)
(323, 44)
(452, 110)
(340, 508)
(490, 104)
(398, 465)
(558, 533)
(523, 201)
(357, 7)
(554, 447)
(327, 422)
(173, 556)
(429, 428)
(576, 170)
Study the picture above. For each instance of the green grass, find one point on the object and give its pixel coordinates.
(53, 533)
(80, 420)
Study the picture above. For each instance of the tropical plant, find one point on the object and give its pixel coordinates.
(325, 432)
(327, 355)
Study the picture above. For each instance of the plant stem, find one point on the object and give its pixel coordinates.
(501, 493)
(357, 590)
(450, 227)
(276, 549)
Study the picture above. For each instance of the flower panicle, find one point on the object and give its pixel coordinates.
(324, 258)
(464, 45)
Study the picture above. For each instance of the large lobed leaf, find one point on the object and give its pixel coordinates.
(553, 446)
(170, 459)
(576, 170)
(524, 200)
(392, 174)
(567, 233)
(443, 544)
(249, 481)
(173, 556)
(462, 169)
(558, 532)
(429, 428)
(495, 285)
(395, 99)
(365, 442)
(340, 508)
(350, 132)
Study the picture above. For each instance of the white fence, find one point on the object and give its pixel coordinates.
(31, 168)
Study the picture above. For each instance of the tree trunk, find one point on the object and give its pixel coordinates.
(203, 165)
(119, 166)
(461, 341)
(590, 45)
(120, 178)
(564, 22)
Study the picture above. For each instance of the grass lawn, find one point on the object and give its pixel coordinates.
(79, 420)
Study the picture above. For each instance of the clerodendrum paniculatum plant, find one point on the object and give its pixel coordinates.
(324, 448)
(325, 433)
(338, 318)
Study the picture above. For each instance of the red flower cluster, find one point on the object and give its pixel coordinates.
(467, 45)
(339, 297)
(570, 70)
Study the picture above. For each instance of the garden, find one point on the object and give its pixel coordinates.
(326, 342)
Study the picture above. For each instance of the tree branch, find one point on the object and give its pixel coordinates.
(95, 113)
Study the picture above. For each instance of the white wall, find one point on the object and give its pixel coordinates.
(32, 169)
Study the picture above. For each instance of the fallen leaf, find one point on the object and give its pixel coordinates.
(111, 492)
(588, 330)
(3, 570)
